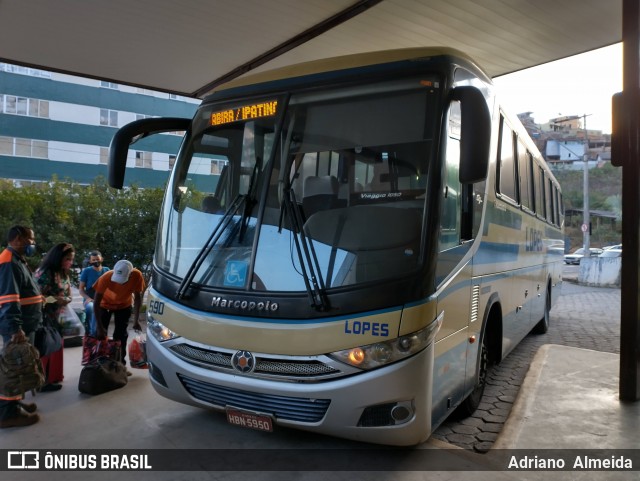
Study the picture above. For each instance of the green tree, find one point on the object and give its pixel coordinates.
(120, 223)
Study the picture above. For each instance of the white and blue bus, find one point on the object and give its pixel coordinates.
(346, 246)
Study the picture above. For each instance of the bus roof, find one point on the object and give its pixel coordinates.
(345, 62)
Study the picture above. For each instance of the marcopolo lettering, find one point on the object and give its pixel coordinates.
(244, 305)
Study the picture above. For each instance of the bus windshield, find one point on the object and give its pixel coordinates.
(325, 186)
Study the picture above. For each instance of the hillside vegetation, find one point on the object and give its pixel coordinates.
(605, 194)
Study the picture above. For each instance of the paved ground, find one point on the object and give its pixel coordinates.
(569, 390)
(584, 317)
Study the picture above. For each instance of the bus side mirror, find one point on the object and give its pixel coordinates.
(618, 135)
(131, 133)
(475, 135)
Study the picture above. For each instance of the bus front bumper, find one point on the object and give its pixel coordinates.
(389, 405)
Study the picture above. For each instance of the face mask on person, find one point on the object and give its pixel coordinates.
(96, 264)
(30, 250)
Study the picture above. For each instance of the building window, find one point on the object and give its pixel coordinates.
(104, 155)
(172, 161)
(33, 72)
(109, 117)
(43, 109)
(40, 149)
(24, 147)
(6, 146)
(109, 85)
(143, 160)
(217, 166)
(10, 104)
(22, 105)
(38, 108)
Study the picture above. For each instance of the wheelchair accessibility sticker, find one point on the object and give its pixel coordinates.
(235, 274)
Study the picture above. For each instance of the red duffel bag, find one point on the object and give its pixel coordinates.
(94, 349)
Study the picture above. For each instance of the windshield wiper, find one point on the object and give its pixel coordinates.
(306, 254)
(209, 244)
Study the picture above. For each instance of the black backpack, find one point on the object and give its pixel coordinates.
(20, 369)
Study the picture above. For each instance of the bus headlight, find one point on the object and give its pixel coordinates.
(159, 330)
(379, 354)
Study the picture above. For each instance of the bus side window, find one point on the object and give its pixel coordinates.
(452, 189)
(550, 203)
(559, 207)
(541, 203)
(526, 193)
(506, 164)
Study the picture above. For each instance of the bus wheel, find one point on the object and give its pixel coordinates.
(471, 403)
(543, 325)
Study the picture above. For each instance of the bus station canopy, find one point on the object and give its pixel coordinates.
(188, 47)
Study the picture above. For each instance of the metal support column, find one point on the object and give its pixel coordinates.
(627, 146)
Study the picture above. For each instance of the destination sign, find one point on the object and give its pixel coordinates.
(246, 112)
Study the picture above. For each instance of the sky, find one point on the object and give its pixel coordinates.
(578, 85)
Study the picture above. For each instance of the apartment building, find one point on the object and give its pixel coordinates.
(57, 124)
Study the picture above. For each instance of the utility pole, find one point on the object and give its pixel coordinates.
(586, 218)
(586, 225)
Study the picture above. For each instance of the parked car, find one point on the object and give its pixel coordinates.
(612, 252)
(575, 256)
(553, 246)
(617, 246)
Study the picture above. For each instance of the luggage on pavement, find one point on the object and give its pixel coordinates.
(102, 375)
(94, 348)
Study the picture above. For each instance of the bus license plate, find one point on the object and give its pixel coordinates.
(249, 420)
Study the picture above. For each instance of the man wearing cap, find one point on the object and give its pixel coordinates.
(113, 293)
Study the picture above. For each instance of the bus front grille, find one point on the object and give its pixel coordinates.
(282, 407)
(282, 369)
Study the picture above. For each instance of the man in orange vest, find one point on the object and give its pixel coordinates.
(20, 313)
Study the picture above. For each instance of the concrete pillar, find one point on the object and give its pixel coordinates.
(626, 152)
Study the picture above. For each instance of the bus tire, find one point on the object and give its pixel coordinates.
(543, 325)
(472, 401)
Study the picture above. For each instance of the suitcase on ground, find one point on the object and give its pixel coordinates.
(53, 366)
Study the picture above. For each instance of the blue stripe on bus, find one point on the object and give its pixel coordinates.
(495, 253)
